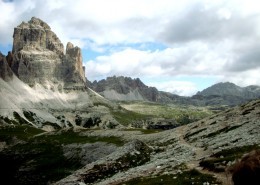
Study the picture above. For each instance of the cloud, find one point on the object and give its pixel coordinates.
(208, 24)
(124, 21)
(218, 39)
(182, 88)
(246, 56)
(192, 59)
(243, 78)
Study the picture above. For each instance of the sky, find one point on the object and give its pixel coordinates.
(176, 46)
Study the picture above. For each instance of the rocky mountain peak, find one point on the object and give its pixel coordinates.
(124, 88)
(36, 34)
(222, 88)
(34, 23)
(38, 22)
(38, 57)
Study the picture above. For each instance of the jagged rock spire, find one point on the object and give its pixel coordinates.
(38, 57)
(36, 34)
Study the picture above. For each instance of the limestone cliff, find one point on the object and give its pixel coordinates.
(5, 71)
(38, 57)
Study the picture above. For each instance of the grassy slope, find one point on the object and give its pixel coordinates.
(40, 159)
(184, 178)
(181, 114)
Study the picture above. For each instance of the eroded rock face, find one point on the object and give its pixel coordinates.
(73, 72)
(38, 57)
(36, 34)
(5, 71)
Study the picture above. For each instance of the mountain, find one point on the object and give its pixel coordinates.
(125, 89)
(43, 86)
(128, 89)
(54, 128)
(230, 89)
(227, 94)
(38, 57)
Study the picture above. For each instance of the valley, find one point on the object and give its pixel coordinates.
(56, 127)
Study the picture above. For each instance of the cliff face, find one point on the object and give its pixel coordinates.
(5, 71)
(38, 57)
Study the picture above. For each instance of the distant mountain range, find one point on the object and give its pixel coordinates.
(128, 89)
(124, 88)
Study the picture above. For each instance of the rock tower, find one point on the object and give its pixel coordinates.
(38, 57)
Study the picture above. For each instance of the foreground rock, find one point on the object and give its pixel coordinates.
(225, 136)
(129, 156)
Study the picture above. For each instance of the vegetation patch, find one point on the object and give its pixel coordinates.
(126, 117)
(219, 161)
(69, 137)
(21, 132)
(54, 125)
(8, 121)
(144, 131)
(102, 104)
(29, 115)
(40, 160)
(35, 163)
(19, 119)
(182, 114)
(185, 178)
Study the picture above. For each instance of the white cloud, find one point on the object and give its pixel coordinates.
(183, 88)
(191, 59)
(201, 37)
(117, 21)
(244, 78)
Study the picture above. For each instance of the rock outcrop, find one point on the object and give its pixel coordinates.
(38, 57)
(5, 71)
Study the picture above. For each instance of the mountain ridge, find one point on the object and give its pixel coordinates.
(125, 89)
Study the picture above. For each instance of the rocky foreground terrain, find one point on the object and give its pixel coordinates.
(54, 129)
(198, 153)
(209, 146)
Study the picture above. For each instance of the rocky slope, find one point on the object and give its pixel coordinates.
(197, 153)
(210, 146)
(45, 87)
